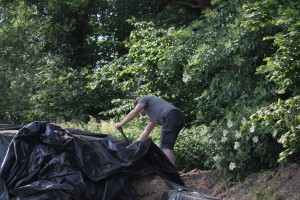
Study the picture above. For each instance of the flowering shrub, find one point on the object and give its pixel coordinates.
(239, 146)
(225, 147)
(280, 121)
(236, 147)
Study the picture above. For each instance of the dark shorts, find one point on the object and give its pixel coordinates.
(172, 123)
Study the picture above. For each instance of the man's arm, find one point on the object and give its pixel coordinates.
(145, 134)
(132, 114)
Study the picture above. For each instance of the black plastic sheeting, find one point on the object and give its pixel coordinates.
(7, 132)
(181, 192)
(44, 161)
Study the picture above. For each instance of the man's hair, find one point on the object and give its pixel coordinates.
(136, 101)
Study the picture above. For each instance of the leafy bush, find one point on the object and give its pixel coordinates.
(190, 150)
(283, 16)
(280, 121)
(228, 148)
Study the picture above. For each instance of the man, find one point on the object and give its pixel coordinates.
(162, 113)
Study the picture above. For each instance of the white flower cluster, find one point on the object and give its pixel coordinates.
(236, 145)
(224, 138)
(252, 128)
(255, 139)
(232, 166)
(244, 121)
(216, 158)
(225, 133)
(238, 134)
(229, 123)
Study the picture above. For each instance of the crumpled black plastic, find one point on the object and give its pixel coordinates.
(45, 161)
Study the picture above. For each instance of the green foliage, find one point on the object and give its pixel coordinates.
(50, 49)
(228, 148)
(283, 66)
(68, 96)
(61, 91)
(21, 65)
(232, 91)
(144, 69)
(280, 121)
(190, 150)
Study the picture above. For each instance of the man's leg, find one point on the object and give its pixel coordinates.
(172, 124)
(169, 153)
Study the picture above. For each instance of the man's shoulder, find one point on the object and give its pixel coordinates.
(145, 98)
(148, 98)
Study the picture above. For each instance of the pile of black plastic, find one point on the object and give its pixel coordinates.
(45, 161)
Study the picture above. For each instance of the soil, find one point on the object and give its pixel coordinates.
(282, 183)
(150, 187)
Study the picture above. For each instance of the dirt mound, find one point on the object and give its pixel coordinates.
(150, 187)
(199, 179)
(154, 187)
(280, 184)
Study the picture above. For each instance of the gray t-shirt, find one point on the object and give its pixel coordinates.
(156, 108)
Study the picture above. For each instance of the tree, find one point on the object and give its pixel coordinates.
(66, 40)
(21, 64)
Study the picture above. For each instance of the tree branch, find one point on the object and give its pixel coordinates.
(201, 4)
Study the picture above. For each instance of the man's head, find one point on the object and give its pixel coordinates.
(136, 101)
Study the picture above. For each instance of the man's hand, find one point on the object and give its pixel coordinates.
(132, 114)
(118, 125)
